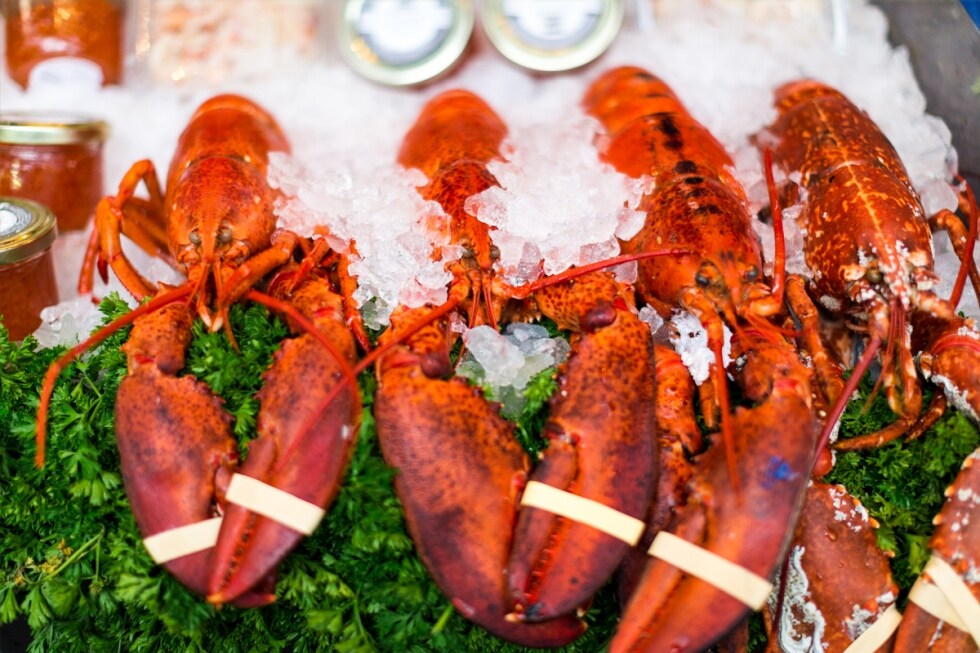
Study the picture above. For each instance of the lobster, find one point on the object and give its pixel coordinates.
(204, 517)
(744, 517)
(868, 243)
(463, 476)
(942, 613)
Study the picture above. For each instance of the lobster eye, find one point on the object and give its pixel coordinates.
(702, 280)
(494, 252)
(751, 274)
(873, 275)
(194, 237)
(224, 235)
(469, 253)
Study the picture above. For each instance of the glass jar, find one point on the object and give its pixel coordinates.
(64, 41)
(27, 279)
(54, 159)
(404, 42)
(552, 35)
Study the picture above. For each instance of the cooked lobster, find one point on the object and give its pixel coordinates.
(178, 457)
(744, 496)
(868, 243)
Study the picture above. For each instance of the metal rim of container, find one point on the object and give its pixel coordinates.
(426, 69)
(51, 129)
(509, 44)
(37, 236)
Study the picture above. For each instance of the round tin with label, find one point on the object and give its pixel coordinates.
(404, 42)
(552, 35)
(27, 279)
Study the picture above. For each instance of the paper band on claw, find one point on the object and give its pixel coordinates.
(947, 598)
(735, 580)
(293, 512)
(878, 633)
(585, 511)
(183, 540)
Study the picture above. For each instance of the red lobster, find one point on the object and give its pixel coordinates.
(462, 472)
(868, 243)
(695, 203)
(178, 457)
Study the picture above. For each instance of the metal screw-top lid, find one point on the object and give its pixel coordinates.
(552, 35)
(51, 129)
(404, 42)
(26, 228)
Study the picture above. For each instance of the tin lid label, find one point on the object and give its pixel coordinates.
(553, 24)
(401, 33)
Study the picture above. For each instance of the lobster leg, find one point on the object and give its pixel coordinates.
(602, 448)
(774, 442)
(949, 625)
(300, 451)
(460, 472)
(177, 450)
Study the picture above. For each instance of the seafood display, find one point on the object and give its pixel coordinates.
(675, 476)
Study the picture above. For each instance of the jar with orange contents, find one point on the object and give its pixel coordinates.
(54, 159)
(27, 279)
(60, 40)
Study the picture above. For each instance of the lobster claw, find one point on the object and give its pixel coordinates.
(460, 472)
(749, 527)
(943, 604)
(951, 359)
(176, 452)
(838, 582)
(602, 448)
(294, 468)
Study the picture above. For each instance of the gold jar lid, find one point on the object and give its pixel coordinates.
(404, 42)
(51, 129)
(552, 35)
(26, 228)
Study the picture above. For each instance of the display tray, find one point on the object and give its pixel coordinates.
(942, 43)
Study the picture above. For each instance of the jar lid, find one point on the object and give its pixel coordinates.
(404, 42)
(26, 228)
(552, 35)
(51, 129)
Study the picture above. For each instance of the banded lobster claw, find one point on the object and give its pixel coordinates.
(302, 448)
(943, 612)
(774, 442)
(837, 587)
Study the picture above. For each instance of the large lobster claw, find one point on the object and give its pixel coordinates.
(749, 526)
(838, 586)
(176, 451)
(460, 472)
(295, 466)
(942, 612)
(602, 449)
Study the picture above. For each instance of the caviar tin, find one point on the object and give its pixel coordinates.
(404, 42)
(552, 35)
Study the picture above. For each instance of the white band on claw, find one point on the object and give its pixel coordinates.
(947, 598)
(735, 580)
(877, 633)
(586, 511)
(184, 540)
(290, 511)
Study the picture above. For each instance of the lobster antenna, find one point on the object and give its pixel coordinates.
(727, 433)
(954, 297)
(846, 393)
(523, 292)
(779, 264)
(47, 387)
